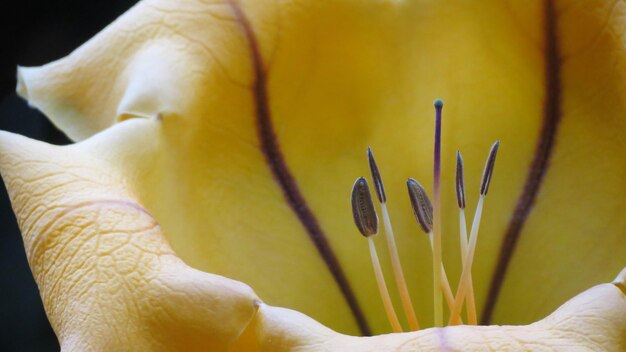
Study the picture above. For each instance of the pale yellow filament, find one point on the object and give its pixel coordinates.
(382, 288)
(445, 283)
(455, 314)
(407, 305)
(471, 304)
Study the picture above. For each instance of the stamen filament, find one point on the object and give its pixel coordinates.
(455, 314)
(471, 303)
(437, 256)
(445, 283)
(403, 290)
(382, 288)
(460, 194)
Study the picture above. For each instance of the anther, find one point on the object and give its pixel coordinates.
(422, 207)
(460, 183)
(363, 209)
(488, 171)
(378, 182)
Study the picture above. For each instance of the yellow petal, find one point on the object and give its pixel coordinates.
(336, 77)
(108, 278)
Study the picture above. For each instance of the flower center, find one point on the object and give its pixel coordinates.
(428, 215)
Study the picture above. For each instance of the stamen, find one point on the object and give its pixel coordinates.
(455, 314)
(460, 195)
(366, 221)
(437, 257)
(403, 290)
(423, 210)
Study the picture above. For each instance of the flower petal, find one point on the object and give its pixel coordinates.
(595, 320)
(108, 278)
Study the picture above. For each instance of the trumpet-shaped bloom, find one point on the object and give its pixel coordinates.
(230, 132)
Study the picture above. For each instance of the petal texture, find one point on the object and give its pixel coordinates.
(108, 278)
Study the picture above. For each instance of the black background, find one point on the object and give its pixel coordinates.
(33, 33)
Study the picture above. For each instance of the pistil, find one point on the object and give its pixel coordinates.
(437, 256)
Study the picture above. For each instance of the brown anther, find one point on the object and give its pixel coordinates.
(488, 171)
(378, 181)
(422, 207)
(363, 210)
(460, 182)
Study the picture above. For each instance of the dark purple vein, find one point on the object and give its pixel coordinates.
(539, 167)
(282, 174)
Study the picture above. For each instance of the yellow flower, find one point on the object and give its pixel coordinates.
(232, 131)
